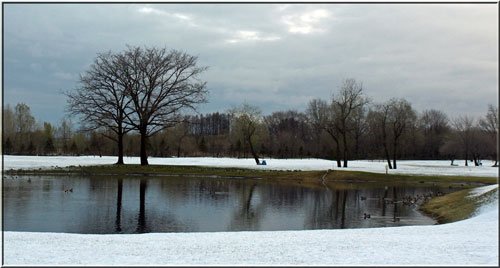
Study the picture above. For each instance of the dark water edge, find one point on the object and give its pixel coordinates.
(107, 205)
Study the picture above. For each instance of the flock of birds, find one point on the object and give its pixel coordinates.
(68, 190)
(407, 200)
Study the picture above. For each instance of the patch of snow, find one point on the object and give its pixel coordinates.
(482, 190)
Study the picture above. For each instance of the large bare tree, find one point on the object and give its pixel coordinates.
(161, 84)
(345, 104)
(101, 101)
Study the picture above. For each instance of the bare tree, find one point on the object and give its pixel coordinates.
(162, 84)
(360, 127)
(433, 125)
(48, 133)
(450, 148)
(179, 132)
(102, 99)
(391, 121)
(378, 119)
(8, 130)
(463, 126)
(25, 121)
(345, 103)
(25, 125)
(247, 124)
(323, 117)
(288, 130)
(402, 117)
(489, 125)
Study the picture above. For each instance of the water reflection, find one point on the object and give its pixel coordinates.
(119, 187)
(247, 214)
(141, 218)
(153, 204)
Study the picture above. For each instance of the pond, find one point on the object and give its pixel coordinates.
(108, 205)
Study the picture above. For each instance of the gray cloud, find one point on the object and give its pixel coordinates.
(274, 56)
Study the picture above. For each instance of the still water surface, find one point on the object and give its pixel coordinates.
(180, 204)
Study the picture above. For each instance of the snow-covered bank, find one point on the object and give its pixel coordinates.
(421, 167)
(470, 242)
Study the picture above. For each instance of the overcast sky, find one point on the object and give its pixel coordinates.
(274, 56)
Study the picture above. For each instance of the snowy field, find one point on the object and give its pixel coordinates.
(421, 167)
(469, 242)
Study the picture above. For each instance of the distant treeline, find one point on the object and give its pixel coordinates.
(430, 134)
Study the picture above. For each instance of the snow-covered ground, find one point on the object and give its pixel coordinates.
(469, 242)
(422, 167)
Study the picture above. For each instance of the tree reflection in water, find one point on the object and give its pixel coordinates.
(188, 204)
(118, 227)
(141, 219)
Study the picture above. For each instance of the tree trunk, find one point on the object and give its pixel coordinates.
(466, 158)
(394, 155)
(255, 156)
(356, 147)
(337, 149)
(387, 157)
(144, 141)
(345, 149)
(339, 163)
(120, 148)
(386, 150)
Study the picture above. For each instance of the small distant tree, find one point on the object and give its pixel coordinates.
(8, 146)
(450, 148)
(203, 145)
(390, 121)
(8, 129)
(178, 134)
(402, 118)
(489, 125)
(379, 128)
(464, 128)
(74, 148)
(433, 125)
(64, 134)
(247, 124)
(48, 133)
(323, 117)
(25, 124)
